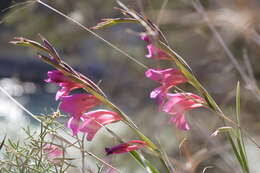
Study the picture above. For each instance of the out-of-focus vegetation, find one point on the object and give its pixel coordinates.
(236, 21)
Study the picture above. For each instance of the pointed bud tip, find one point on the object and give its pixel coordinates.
(108, 151)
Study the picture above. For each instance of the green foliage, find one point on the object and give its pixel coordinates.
(27, 155)
(113, 21)
(239, 148)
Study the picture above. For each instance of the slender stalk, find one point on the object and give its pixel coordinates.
(83, 155)
(82, 148)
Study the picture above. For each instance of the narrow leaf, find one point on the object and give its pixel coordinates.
(240, 140)
(113, 21)
(238, 103)
(2, 143)
(20, 41)
(235, 150)
(143, 162)
(221, 130)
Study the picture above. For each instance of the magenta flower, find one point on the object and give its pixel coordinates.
(125, 147)
(178, 103)
(66, 84)
(76, 105)
(73, 124)
(146, 38)
(156, 53)
(52, 151)
(153, 51)
(94, 120)
(167, 78)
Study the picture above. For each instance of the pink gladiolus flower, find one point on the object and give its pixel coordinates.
(73, 124)
(153, 51)
(168, 78)
(94, 120)
(145, 38)
(125, 147)
(178, 103)
(67, 85)
(52, 151)
(76, 105)
(156, 53)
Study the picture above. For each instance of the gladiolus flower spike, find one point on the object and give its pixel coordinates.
(125, 147)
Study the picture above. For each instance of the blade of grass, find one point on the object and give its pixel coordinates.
(235, 150)
(143, 162)
(240, 140)
(2, 143)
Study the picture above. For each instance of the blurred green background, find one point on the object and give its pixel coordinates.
(237, 21)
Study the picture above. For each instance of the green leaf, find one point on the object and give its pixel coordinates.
(238, 103)
(221, 130)
(113, 21)
(143, 162)
(165, 159)
(20, 41)
(235, 150)
(240, 140)
(2, 143)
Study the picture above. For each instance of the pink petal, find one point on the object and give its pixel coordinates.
(62, 92)
(170, 76)
(145, 38)
(73, 124)
(180, 122)
(177, 104)
(167, 77)
(156, 92)
(181, 102)
(90, 127)
(94, 119)
(55, 76)
(103, 116)
(126, 147)
(156, 53)
(52, 151)
(78, 103)
(67, 84)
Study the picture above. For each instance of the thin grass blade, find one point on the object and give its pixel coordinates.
(2, 143)
(240, 140)
(143, 162)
